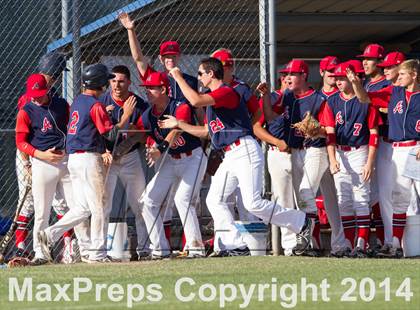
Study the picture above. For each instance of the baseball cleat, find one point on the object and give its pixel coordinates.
(143, 256)
(341, 253)
(161, 257)
(230, 253)
(388, 251)
(358, 253)
(303, 238)
(45, 248)
(106, 259)
(38, 261)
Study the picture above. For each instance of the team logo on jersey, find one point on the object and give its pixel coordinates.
(216, 125)
(46, 125)
(398, 108)
(339, 118)
(178, 143)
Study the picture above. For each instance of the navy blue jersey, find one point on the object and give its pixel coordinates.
(117, 112)
(279, 127)
(185, 141)
(351, 120)
(370, 86)
(175, 91)
(404, 117)
(297, 108)
(82, 134)
(48, 123)
(226, 125)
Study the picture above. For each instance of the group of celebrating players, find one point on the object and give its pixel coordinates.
(74, 154)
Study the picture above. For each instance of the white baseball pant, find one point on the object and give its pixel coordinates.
(327, 187)
(87, 174)
(402, 187)
(353, 193)
(385, 178)
(47, 179)
(235, 200)
(308, 167)
(24, 179)
(129, 170)
(189, 172)
(243, 167)
(280, 169)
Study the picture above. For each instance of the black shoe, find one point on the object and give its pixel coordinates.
(312, 253)
(303, 238)
(358, 253)
(143, 256)
(234, 252)
(373, 251)
(161, 257)
(39, 261)
(388, 251)
(341, 253)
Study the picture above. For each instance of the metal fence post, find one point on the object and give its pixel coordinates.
(77, 54)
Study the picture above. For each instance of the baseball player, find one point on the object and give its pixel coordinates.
(309, 157)
(375, 80)
(384, 156)
(88, 128)
(41, 134)
(169, 56)
(403, 106)
(50, 66)
(128, 168)
(230, 129)
(352, 142)
(182, 161)
(279, 161)
(327, 187)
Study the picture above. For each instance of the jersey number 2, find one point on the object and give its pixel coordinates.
(74, 120)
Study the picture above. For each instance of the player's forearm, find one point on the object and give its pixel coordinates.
(262, 134)
(136, 52)
(373, 145)
(25, 148)
(331, 153)
(360, 92)
(197, 131)
(269, 114)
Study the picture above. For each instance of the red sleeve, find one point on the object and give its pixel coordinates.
(252, 105)
(140, 124)
(183, 113)
(225, 97)
(374, 118)
(149, 70)
(326, 116)
(150, 142)
(22, 101)
(205, 119)
(23, 128)
(381, 97)
(100, 118)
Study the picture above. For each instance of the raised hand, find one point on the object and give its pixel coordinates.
(175, 73)
(126, 21)
(262, 88)
(129, 105)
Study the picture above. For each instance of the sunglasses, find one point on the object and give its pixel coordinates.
(199, 73)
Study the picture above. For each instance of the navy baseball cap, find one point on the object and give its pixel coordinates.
(52, 64)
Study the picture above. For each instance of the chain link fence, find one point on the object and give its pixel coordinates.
(88, 31)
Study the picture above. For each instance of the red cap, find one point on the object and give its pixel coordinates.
(36, 86)
(156, 79)
(373, 51)
(169, 48)
(296, 66)
(392, 59)
(328, 63)
(340, 69)
(357, 65)
(225, 56)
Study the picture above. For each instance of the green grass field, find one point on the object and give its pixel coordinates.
(237, 274)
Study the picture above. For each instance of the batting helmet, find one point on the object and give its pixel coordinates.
(96, 76)
(52, 64)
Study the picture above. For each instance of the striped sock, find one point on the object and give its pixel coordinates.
(398, 225)
(21, 233)
(363, 228)
(349, 226)
(378, 224)
(167, 228)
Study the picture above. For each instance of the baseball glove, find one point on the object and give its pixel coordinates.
(19, 262)
(214, 161)
(309, 126)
